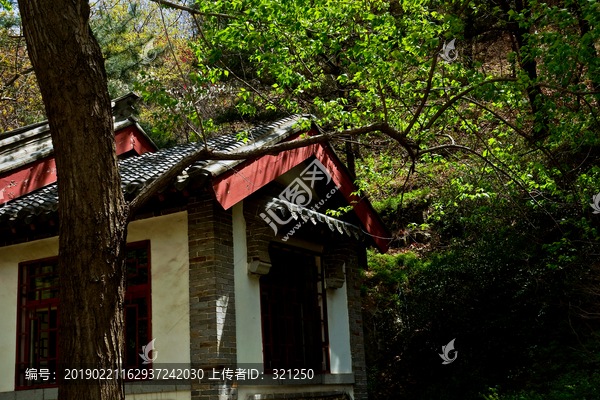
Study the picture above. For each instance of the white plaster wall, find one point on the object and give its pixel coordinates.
(170, 265)
(339, 330)
(170, 291)
(248, 328)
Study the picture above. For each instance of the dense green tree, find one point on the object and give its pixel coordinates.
(498, 148)
(114, 27)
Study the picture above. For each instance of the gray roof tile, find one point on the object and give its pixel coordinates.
(137, 172)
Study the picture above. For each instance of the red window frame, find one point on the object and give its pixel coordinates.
(38, 292)
(294, 311)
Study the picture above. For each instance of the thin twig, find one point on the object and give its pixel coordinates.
(203, 133)
(194, 11)
(426, 94)
(383, 100)
(229, 70)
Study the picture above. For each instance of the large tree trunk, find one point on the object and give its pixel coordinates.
(70, 70)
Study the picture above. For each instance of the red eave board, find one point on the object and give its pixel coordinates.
(235, 185)
(131, 138)
(40, 173)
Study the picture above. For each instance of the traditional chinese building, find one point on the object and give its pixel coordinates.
(236, 267)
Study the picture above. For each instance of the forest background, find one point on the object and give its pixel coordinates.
(482, 160)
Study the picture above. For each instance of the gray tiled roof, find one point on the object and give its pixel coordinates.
(30, 143)
(137, 172)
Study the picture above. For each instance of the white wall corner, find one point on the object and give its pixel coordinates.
(247, 294)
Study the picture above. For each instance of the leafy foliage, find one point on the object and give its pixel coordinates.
(20, 99)
(117, 27)
(518, 324)
(493, 155)
(483, 167)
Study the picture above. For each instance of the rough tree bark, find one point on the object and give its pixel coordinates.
(70, 71)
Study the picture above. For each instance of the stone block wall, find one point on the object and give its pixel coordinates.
(212, 300)
(258, 237)
(212, 296)
(333, 263)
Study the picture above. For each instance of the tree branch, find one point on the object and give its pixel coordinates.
(229, 69)
(383, 101)
(190, 92)
(15, 77)
(495, 114)
(527, 137)
(462, 94)
(495, 167)
(193, 11)
(585, 93)
(427, 90)
(207, 154)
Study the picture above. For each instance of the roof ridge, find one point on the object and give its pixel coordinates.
(138, 171)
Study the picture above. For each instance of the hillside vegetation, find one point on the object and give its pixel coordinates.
(483, 160)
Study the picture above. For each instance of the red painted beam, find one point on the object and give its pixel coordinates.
(130, 138)
(27, 178)
(40, 173)
(235, 185)
(362, 208)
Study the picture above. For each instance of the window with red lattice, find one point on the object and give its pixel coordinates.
(39, 313)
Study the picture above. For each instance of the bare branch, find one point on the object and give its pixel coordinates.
(448, 136)
(403, 189)
(190, 92)
(500, 117)
(464, 6)
(495, 167)
(383, 101)
(15, 77)
(585, 93)
(527, 137)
